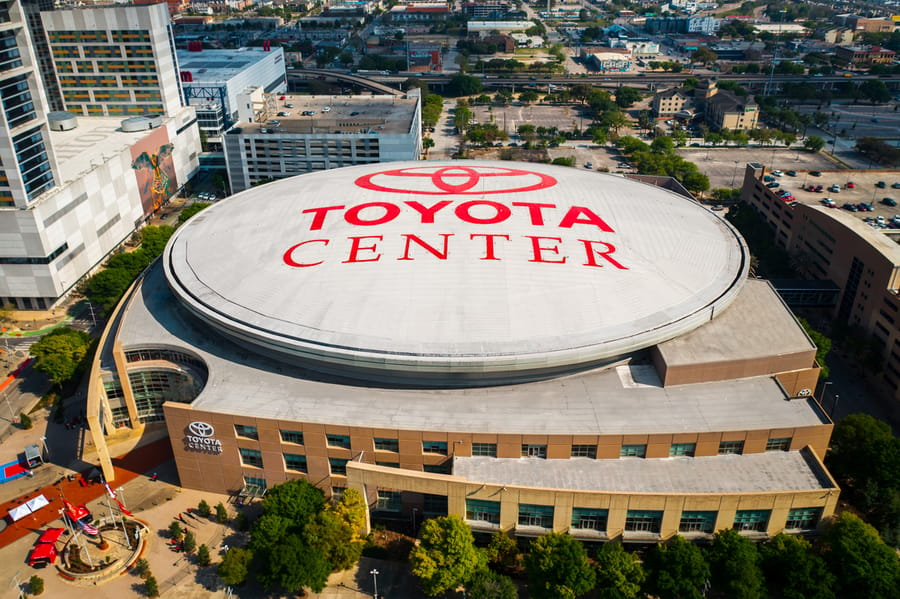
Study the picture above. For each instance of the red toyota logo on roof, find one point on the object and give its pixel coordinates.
(456, 180)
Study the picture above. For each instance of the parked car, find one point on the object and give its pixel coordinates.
(888, 201)
(828, 203)
(881, 185)
(773, 184)
(768, 178)
(850, 184)
(864, 207)
(835, 188)
(777, 173)
(791, 173)
(788, 198)
(850, 207)
(895, 185)
(588, 165)
(820, 188)
(815, 173)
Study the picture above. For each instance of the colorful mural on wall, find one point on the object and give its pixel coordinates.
(151, 159)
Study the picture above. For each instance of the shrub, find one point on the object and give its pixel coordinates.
(190, 542)
(142, 568)
(221, 513)
(25, 420)
(203, 508)
(203, 555)
(151, 587)
(36, 585)
(175, 530)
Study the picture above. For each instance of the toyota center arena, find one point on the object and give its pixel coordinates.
(530, 347)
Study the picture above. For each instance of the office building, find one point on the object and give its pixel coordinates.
(301, 134)
(74, 189)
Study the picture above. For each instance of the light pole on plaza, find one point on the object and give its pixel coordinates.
(374, 574)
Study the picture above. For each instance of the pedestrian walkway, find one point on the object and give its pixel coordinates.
(82, 489)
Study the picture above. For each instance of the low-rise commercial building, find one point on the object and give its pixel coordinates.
(301, 134)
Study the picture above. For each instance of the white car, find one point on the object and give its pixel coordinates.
(326, 109)
(777, 173)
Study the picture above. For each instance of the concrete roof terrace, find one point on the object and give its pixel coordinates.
(345, 114)
(750, 473)
(621, 400)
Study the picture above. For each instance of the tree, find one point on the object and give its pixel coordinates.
(427, 144)
(823, 346)
(296, 500)
(175, 531)
(235, 565)
(704, 56)
(528, 96)
(462, 116)
(191, 210)
(875, 90)
(446, 558)
(334, 539)
(352, 510)
(814, 143)
(791, 566)
(865, 567)
(619, 573)
(695, 182)
(487, 584)
(203, 557)
(734, 563)
(626, 96)
(189, 542)
(557, 566)
(151, 587)
(61, 353)
(463, 85)
(676, 570)
(293, 565)
(36, 585)
(502, 551)
(203, 509)
(25, 421)
(142, 567)
(221, 513)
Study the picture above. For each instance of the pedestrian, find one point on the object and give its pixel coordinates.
(154, 477)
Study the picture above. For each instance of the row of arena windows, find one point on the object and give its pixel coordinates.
(532, 450)
(649, 521)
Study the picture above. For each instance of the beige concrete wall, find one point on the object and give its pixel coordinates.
(365, 477)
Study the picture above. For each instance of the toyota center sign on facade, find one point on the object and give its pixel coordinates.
(530, 347)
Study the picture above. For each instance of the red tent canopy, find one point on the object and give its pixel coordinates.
(42, 551)
(51, 535)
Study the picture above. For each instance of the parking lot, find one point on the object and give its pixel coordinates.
(509, 118)
(853, 188)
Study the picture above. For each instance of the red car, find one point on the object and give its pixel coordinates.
(851, 185)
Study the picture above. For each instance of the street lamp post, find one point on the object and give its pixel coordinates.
(837, 398)
(734, 174)
(374, 574)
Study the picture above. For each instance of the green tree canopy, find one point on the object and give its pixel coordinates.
(61, 353)
(734, 563)
(334, 539)
(464, 85)
(486, 584)
(620, 574)
(814, 143)
(296, 500)
(235, 566)
(865, 567)
(627, 96)
(292, 565)
(191, 210)
(502, 551)
(791, 567)
(558, 568)
(446, 558)
(676, 570)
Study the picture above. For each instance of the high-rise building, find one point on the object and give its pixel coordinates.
(115, 60)
(72, 190)
(28, 165)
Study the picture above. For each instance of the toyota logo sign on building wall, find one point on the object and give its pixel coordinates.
(201, 429)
